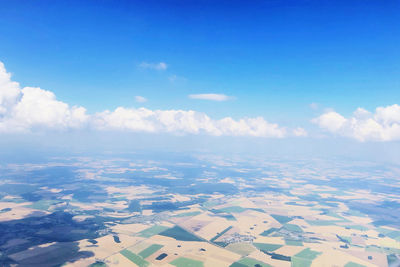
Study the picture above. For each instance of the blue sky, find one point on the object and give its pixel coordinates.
(273, 58)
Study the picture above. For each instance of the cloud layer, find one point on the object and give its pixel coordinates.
(30, 108)
(182, 121)
(382, 125)
(212, 97)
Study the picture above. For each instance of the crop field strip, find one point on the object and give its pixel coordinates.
(136, 259)
(150, 250)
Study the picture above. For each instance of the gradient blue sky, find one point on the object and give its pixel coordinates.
(274, 57)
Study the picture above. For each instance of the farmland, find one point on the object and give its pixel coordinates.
(274, 214)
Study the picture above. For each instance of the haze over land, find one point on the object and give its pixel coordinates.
(202, 209)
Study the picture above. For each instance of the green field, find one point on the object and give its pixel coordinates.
(220, 234)
(249, 262)
(180, 234)
(42, 204)
(293, 203)
(210, 204)
(293, 228)
(266, 246)
(307, 254)
(233, 209)
(134, 258)
(186, 262)
(293, 242)
(394, 234)
(150, 250)
(269, 231)
(322, 222)
(281, 219)
(187, 214)
(353, 264)
(304, 258)
(154, 230)
(243, 249)
(98, 264)
(300, 262)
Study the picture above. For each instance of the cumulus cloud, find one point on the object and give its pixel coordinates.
(212, 97)
(28, 108)
(140, 99)
(31, 107)
(10, 91)
(154, 66)
(382, 125)
(330, 121)
(182, 121)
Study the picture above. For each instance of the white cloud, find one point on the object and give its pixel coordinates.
(183, 122)
(388, 115)
(9, 91)
(140, 99)
(331, 121)
(361, 113)
(154, 66)
(29, 108)
(212, 97)
(383, 125)
(300, 132)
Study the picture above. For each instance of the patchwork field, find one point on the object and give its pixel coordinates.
(247, 213)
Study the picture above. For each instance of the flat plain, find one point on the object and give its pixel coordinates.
(203, 210)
